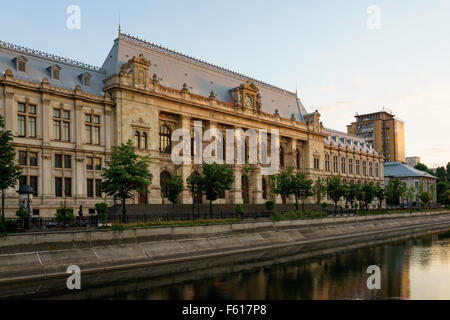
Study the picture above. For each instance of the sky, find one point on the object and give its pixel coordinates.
(328, 50)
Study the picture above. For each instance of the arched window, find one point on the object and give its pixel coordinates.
(145, 140)
(137, 140)
(165, 144)
(281, 157)
(264, 189)
(163, 178)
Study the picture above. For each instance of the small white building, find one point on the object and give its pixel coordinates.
(412, 177)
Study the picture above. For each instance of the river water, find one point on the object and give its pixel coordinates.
(413, 266)
(417, 268)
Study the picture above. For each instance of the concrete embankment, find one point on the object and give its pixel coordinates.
(47, 255)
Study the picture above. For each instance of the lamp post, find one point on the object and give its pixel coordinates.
(25, 192)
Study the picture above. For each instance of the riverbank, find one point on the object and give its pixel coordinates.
(47, 255)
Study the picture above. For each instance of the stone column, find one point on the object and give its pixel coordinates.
(10, 112)
(46, 174)
(291, 154)
(185, 169)
(46, 122)
(256, 186)
(108, 125)
(80, 180)
(79, 125)
(235, 194)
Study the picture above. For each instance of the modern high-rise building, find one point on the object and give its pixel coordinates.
(383, 131)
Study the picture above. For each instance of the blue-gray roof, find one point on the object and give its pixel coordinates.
(38, 64)
(400, 170)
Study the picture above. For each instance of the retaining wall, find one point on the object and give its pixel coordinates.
(46, 255)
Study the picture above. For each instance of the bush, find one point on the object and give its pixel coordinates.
(270, 205)
(277, 216)
(22, 212)
(64, 215)
(11, 226)
(2, 226)
(239, 209)
(324, 205)
(102, 211)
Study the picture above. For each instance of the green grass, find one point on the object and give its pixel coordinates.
(122, 227)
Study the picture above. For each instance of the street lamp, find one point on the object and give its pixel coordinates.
(25, 196)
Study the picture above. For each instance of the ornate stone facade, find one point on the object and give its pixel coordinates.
(65, 125)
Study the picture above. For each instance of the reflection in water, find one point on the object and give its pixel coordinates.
(413, 269)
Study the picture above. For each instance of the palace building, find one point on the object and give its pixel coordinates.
(66, 117)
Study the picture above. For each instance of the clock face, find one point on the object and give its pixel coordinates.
(248, 101)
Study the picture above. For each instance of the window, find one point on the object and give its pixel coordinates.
(165, 144)
(281, 157)
(264, 189)
(316, 163)
(36, 212)
(26, 120)
(61, 125)
(145, 140)
(377, 169)
(358, 170)
(90, 188)
(92, 129)
(68, 187)
(55, 71)
(335, 164)
(164, 177)
(21, 66)
(364, 168)
(98, 192)
(58, 161)
(416, 184)
(67, 161)
(22, 158)
(298, 159)
(94, 164)
(343, 165)
(370, 168)
(137, 140)
(31, 181)
(86, 79)
(58, 187)
(350, 166)
(327, 162)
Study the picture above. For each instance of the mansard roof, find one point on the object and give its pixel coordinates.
(342, 139)
(38, 64)
(174, 69)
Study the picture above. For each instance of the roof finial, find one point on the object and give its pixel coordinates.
(120, 29)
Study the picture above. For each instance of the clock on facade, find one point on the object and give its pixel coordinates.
(248, 101)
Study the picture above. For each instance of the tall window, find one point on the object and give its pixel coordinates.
(58, 187)
(335, 164)
(61, 125)
(26, 120)
(350, 166)
(316, 163)
(281, 157)
(68, 187)
(364, 168)
(32, 181)
(370, 169)
(93, 188)
(164, 177)
(137, 139)
(145, 141)
(92, 129)
(343, 165)
(94, 164)
(358, 166)
(298, 159)
(61, 160)
(327, 162)
(28, 159)
(165, 144)
(377, 169)
(264, 189)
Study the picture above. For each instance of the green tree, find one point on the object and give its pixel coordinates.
(425, 197)
(424, 168)
(195, 184)
(302, 188)
(9, 170)
(335, 190)
(410, 192)
(320, 189)
(368, 193)
(281, 184)
(441, 173)
(395, 189)
(175, 187)
(218, 178)
(125, 174)
(380, 195)
(442, 192)
(352, 192)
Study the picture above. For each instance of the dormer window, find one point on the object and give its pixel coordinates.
(21, 63)
(85, 79)
(55, 71)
